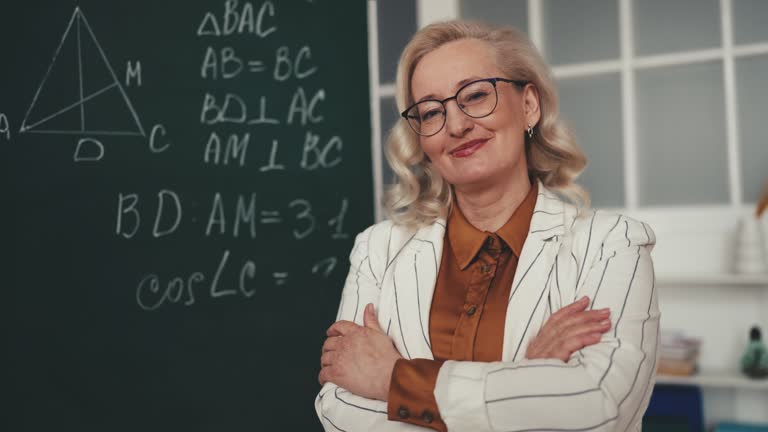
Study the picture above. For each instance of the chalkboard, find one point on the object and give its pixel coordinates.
(181, 186)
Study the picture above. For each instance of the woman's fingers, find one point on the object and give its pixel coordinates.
(331, 343)
(572, 333)
(555, 329)
(324, 376)
(341, 328)
(577, 306)
(328, 358)
(584, 317)
(578, 331)
(580, 336)
(576, 343)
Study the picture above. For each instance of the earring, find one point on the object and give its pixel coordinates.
(530, 131)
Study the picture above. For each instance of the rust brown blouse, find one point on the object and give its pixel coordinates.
(468, 310)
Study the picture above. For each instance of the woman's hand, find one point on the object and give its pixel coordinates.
(569, 330)
(359, 359)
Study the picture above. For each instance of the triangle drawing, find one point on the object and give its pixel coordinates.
(79, 79)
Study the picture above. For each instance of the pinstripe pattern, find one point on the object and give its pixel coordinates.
(396, 269)
(626, 234)
(530, 318)
(527, 366)
(370, 268)
(548, 395)
(586, 252)
(599, 284)
(648, 384)
(526, 273)
(547, 229)
(418, 299)
(400, 321)
(557, 281)
(603, 423)
(332, 424)
(336, 394)
(602, 245)
(357, 305)
(596, 388)
(642, 340)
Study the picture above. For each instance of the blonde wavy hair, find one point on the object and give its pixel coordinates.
(420, 195)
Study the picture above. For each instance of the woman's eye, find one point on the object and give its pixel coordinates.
(476, 96)
(429, 115)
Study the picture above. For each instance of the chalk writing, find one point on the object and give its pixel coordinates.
(272, 165)
(338, 221)
(264, 125)
(133, 71)
(128, 221)
(88, 150)
(5, 129)
(152, 293)
(235, 149)
(285, 68)
(39, 120)
(304, 215)
(157, 129)
(239, 20)
(222, 63)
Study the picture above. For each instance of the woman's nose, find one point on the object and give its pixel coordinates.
(456, 122)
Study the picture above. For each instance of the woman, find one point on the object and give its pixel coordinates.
(487, 302)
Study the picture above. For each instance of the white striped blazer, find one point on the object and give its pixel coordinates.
(603, 387)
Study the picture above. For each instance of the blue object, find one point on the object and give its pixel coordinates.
(738, 427)
(675, 408)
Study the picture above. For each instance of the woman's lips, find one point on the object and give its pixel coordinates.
(469, 148)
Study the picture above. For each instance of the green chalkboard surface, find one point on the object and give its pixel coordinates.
(181, 186)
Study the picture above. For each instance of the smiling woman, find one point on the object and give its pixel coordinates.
(493, 298)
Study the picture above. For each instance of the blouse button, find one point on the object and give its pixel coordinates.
(403, 412)
(428, 417)
(472, 310)
(485, 268)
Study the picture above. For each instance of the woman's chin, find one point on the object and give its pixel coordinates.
(470, 180)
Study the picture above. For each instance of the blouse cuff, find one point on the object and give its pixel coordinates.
(411, 396)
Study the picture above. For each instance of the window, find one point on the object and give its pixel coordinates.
(673, 88)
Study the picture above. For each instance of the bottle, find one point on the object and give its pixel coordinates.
(749, 256)
(754, 362)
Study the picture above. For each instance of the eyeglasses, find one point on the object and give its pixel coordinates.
(476, 99)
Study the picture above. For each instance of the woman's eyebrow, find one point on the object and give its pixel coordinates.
(455, 87)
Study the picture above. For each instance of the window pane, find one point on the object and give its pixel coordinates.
(752, 83)
(681, 140)
(388, 118)
(502, 12)
(581, 31)
(663, 26)
(592, 107)
(749, 18)
(397, 23)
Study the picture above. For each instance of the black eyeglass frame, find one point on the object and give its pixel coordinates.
(521, 84)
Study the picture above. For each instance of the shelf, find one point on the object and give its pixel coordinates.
(724, 279)
(716, 379)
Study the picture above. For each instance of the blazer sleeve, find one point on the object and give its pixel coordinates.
(605, 387)
(339, 409)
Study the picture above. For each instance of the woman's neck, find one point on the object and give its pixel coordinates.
(489, 208)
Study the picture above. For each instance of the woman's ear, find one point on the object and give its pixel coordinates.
(531, 107)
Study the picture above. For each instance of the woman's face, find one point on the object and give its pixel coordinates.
(474, 151)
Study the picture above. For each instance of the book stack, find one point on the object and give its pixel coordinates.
(679, 354)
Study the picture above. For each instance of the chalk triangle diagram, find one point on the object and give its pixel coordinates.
(80, 93)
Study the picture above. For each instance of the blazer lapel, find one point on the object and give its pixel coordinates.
(535, 274)
(414, 275)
